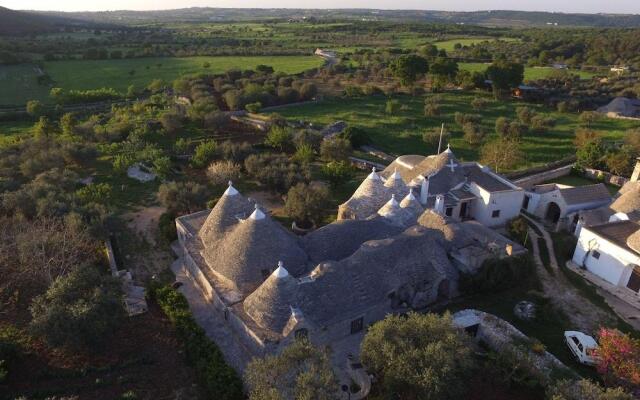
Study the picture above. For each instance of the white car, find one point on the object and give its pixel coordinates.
(582, 346)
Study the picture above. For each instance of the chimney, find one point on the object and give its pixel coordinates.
(636, 171)
(439, 206)
(424, 191)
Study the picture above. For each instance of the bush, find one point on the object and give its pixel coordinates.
(525, 114)
(308, 137)
(203, 154)
(215, 377)
(335, 149)
(305, 203)
(220, 172)
(464, 119)
(502, 127)
(540, 123)
(337, 172)
(236, 152)
(517, 229)
(167, 227)
(498, 274)
(431, 110)
(356, 136)
(253, 107)
(182, 197)
(473, 133)
(392, 106)
(432, 136)
(479, 103)
(80, 309)
(517, 130)
(280, 138)
(276, 171)
(304, 154)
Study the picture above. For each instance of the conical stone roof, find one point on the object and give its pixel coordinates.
(396, 185)
(435, 163)
(410, 202)
(629, 201)
(368, 198)
(270, 304)
(251, 249)
(228, 210)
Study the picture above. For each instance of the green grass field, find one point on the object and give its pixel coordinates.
(401, 133)
(19, 83)
(10, 131)
(530, 73)
(449, 45)
(119, 74)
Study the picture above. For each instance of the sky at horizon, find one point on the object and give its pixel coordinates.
(584, 6)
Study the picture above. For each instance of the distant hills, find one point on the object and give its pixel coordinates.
(23, 22)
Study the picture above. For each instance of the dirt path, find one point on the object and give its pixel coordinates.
(584, 315)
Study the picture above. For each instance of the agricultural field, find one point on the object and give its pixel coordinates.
(119, 74)
(11, 131)
(401, 133)
(530, 73)
(19, 83)
(449, 45)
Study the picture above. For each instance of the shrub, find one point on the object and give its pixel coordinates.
(305, 203)
(431, 110)
(540, 123)
(432, 136)
(464, 119)
(356, 136)
(517, 130)
(304, 154)
(276, 171)
(236, 152)
(182, 197)
(587, 118)
(203, 154)
(280, 138)
(308, 137)
(392, 106)
(498, 274)
(473, 133)
(352, 91)
(335, 149)
(253, 107)
(585, 389)
(518, 229)
(80, 309)
(215, 377)
(525, 114)
(167, 227)
(337, 172)
(220, 172)
(479, 103)
(502, 127)
(95, 193)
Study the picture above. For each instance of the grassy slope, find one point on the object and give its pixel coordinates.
(19, 83)
(530, 73)
(402, 133)
(448, 45)
(85, 74)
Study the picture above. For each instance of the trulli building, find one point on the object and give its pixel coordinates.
(266, 286)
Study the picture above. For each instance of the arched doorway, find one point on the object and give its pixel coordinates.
(553, 213)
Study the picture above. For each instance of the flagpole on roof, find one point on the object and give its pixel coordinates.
(440, 141)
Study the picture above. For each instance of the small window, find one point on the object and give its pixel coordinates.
(301, 333)
(495, 214)
(356, 325)
(596, 254)
(448, 212)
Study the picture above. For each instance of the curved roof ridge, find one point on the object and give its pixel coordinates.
(231, 207)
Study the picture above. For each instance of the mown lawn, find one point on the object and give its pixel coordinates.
(530, 73)
(401, 133)
(119, 74)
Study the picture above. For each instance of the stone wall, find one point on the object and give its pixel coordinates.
(527, 182)
(609, 178)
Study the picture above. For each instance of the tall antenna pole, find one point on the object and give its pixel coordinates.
(440, 141)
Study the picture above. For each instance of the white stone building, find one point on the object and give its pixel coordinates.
(458, 190)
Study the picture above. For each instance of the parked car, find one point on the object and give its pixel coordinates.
(582, 346)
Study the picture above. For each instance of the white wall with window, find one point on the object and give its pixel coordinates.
(605, 259)
(495, 208)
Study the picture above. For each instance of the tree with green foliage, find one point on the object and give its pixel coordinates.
(473, 133)
(590, 155)
(418, 356)
(501, 154)
(44, 128)
(300, 371)
(80, 309)
(95, 193)
(203, 154)
(504, 75)
(162, 166)
(407, 68)
(588, 118)
(356, 136)
(305, 203)
(304, 154)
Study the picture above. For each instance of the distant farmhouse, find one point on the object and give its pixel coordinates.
(622, 107)
(401, 243)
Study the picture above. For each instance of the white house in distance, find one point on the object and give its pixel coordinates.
(560, 205)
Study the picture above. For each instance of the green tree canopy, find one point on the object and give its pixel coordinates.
(407, 68)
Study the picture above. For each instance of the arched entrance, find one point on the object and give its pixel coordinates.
(553, 213)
